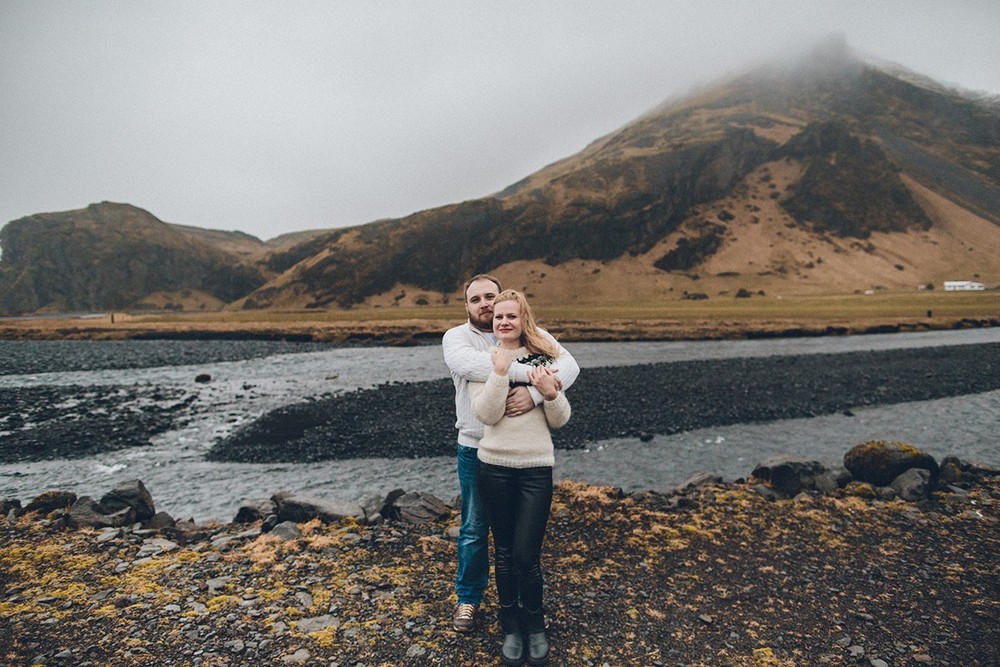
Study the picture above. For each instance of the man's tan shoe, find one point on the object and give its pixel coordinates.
(465, 617)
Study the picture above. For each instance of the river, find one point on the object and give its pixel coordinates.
(186, 486)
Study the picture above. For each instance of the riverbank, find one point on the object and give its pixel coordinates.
(722, 318)
(723, 577)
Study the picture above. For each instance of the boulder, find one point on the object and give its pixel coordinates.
(255, 510)
(159, 521)
(298, 509)
(88, 513)
(789, 475)
(879, 462)
(287, 530)
(50, 501)
(417, 508)
(130, 493)
(913, 484)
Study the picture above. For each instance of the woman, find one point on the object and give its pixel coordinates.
(515, 474)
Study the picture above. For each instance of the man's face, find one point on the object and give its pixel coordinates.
(479, 304)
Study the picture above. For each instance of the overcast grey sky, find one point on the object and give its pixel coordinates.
(271, 117)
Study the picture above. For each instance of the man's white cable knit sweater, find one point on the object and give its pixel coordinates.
(515, 442)
(466, 351)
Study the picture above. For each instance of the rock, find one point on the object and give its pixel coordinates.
(50, 501)
(881, 461)
(765, 492)
(88, 513)
(789, 474)
(130, 493)
(154, 547)
(875, 662)
(372, 505)
(187, 531)
(202, 378)
(416, 651)
(270, 521)
(299, 510)
(913, 484)
(286, 530)
(697, 480)
(952, 471)
(861, 490)
(297, 658)
(317, 623)
(159, 521)
(255, 510)
(418, 508)
(9, 505)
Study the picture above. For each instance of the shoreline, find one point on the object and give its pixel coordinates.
(409, 332)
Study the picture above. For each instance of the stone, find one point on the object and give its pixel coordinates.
(418, 508)
(159, 521)
(297, 658)
(298, 509)
(789, 474)
(317, 623)
(9, 505)
(255, 510)
(913, 484)
(130, 493)
(50, 501)
(88, 513)
(881, 461)
(696, 481)
(286, 530)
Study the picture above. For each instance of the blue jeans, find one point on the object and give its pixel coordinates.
(473, 535)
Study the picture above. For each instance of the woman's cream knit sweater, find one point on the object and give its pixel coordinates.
(515, 442)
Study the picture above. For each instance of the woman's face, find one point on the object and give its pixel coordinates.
(507, 322)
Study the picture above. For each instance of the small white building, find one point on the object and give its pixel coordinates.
(962, 286)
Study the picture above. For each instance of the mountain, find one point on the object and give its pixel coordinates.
(110, 256)
(823, 174)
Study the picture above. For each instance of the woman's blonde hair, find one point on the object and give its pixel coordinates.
(531, 337)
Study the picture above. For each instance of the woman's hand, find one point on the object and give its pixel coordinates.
(545, 382)
(501, 361)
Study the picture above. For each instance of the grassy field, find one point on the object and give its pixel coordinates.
(676, 319)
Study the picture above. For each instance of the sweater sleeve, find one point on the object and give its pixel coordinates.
(489, 401)
(463, 359)
(557, 411)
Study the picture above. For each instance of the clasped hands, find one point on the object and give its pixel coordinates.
(519, 399)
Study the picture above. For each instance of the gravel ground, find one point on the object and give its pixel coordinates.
(731, 579)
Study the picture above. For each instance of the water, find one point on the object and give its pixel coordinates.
(186, 486)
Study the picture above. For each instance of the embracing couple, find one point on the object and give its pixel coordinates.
(509, 379)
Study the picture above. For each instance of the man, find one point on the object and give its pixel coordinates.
(467, 353)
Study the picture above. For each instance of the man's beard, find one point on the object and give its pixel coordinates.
(482, 321)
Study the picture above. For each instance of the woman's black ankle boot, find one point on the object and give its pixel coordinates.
(534, 633)
(512, 649)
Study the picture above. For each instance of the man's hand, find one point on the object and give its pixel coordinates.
(519, 401)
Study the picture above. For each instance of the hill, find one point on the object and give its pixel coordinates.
(110, 256)
(829, 174)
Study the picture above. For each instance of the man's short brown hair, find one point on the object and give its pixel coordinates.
(481, 276)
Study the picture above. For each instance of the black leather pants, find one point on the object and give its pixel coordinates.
(517, 502)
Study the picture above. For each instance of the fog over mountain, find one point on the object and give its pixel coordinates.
(271, 118)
